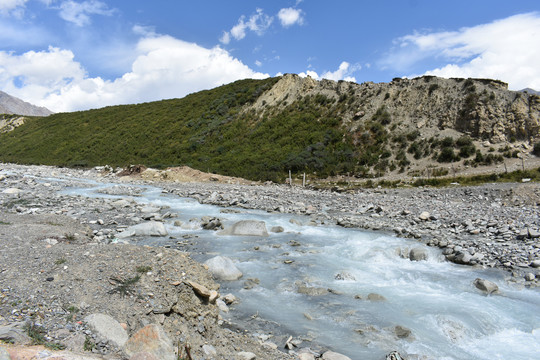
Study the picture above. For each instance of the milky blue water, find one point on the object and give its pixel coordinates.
(436, 300)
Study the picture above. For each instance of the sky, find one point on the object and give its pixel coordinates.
(70, 55)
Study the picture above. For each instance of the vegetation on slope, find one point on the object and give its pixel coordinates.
(207, 130)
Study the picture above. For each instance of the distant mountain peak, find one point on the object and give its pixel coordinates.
(530, 91)
(12, 105)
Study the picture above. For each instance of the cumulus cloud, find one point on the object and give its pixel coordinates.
(506, 49)
(344, 72)
(290, 16)
(258, 23)
(164, 67)
(79, 13)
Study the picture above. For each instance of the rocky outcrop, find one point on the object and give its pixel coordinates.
(482, 108)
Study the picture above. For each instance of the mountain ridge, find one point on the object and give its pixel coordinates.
(14, 106)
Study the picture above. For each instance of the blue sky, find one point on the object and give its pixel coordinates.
(72, 55)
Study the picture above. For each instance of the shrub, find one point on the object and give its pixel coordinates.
(446, 155)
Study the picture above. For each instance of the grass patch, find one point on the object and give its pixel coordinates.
(60, 261)
(4, 223)
(124, 287)
(37, 334)
(143, 269)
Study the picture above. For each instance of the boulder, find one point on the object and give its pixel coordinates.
(535, 264)
(424, 216)
(463, 258)
(418, 254)
(277, 229)
(330, 355)
(108, 328)
(486, 286)
(151, 339)
(223, 268)
(12, 191)
(246, 228)
(14, 333)
(151, 228)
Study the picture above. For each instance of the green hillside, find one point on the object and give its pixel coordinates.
(207, 130)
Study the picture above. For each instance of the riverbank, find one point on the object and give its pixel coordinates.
(65, 268)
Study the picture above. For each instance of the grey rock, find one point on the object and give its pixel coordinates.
(534, 234)
(108, 328)
(151, 228)
(223, 268)
(14, 333)
(330, 355)
(530, 276)
(418, 254)
(486, 286)
(463, 258)
(245, 355)
(424, 216)
(209, 350)
(535, 264)
(4, 355)
(246, 228)
(277, 229)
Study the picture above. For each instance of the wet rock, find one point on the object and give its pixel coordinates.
(402, 332)
(151, 228)
(375, 297)
(246, 228)
(230, 299)
(486, 286)
(222, 306)
(223, 268)
(463, 257)
(418, 254)
(530, 276)
(330, 355)
(153, 340)
(210, 223)
(394, 355)
(108, 328)
(312, 291)
(251, 283)
(344, 275)
(277, 229)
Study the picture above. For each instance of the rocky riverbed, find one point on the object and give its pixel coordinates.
(63, 269)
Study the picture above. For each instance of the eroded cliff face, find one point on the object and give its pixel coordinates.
(482, 108)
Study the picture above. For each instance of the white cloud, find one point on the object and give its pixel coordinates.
(344, 72)
(225, 38)
(12, 7)
(79, 13)
(258, 23)
(258, 63)
(506, 49)
(290, 16)
(165, 67)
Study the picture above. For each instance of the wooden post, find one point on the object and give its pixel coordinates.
(304, 180)
(290, 178)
